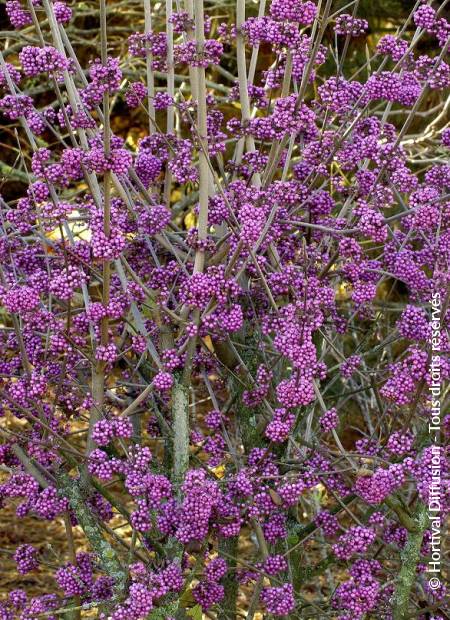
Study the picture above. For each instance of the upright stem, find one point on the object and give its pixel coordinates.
(149, 60)
(170, 92)
(255, 52)
(180, 392)
(189, 7)
(180, 409)
(107, 555)
(260, 582)
(410, 557)
(98, 372)
(277, 148)
(170, 66)
(243, 87)
(229, 548)
(75, 614)
(107, 176)
(199, 262)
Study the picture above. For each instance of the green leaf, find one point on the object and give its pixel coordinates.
(195, 612)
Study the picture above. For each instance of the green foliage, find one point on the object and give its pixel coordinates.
(378, 9)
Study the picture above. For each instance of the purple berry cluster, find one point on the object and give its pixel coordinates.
(224, 299)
